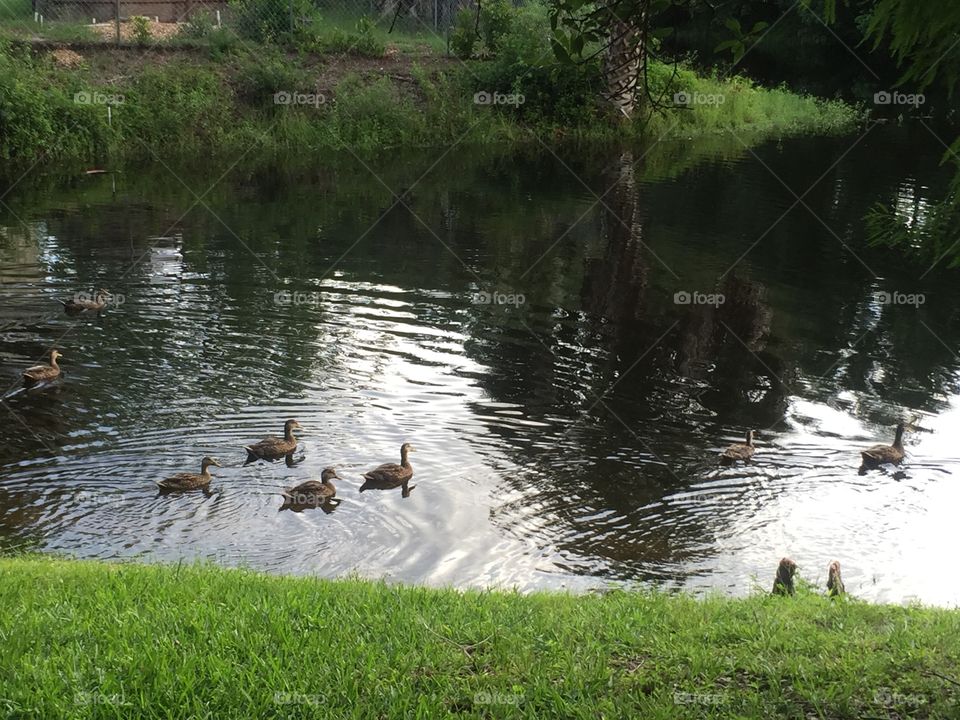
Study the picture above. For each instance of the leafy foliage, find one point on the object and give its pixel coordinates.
(141, 29)
(922, 36)
(268, 20)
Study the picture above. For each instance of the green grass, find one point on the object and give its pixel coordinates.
(85, 639)
(409, 36)
(737, 104)
(19, 10)
(197, 104)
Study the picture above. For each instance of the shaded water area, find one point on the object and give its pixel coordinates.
(567, 440)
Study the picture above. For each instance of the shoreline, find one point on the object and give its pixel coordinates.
(85, 104)
(88, 638)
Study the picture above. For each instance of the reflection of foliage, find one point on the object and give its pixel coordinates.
(922, 37)
(930, 239)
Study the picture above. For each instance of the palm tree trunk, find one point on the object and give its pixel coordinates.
(623, 65)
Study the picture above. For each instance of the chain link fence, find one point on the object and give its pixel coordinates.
(178, 21)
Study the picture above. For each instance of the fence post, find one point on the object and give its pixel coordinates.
(116, 20)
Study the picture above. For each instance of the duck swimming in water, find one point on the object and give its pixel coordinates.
(43, 373)
(182, 482)
(738, 451)
(881, 454)
(312, 493)
(81, 303)
(274, 448)
(391, 472)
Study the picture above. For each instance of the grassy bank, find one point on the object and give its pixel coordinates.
(85, 639)
(95, 103)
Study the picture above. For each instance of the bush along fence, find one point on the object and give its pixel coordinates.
(147, 21)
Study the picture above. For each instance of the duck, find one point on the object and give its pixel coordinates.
(880, 454)
(312, 493)
(783, 582)
(182, 482)
(42, 373)
(390, 474)
(738, 451)
(835, 586)
(274, 448)
(81, 303)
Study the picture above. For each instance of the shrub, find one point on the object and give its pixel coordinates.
(268, 20)
(525, 65)
(141, 29)
(266, 73)
(199, 25)
(463, 37)
(496, 17)
(364, 40)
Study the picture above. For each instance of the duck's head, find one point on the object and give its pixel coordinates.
(407, 448)
(329, 474)
(750, 435)
(54, 355)
(292, 425)
(102, 293)
(208, 461)
(899, 436)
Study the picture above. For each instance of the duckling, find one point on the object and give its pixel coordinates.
(42, 373)
(834, 581)
(880, 454)
(312, 493)
(738, 451)
(783, 583)
(182, 482)
(81, 304)
(391, 474)
(274, 448)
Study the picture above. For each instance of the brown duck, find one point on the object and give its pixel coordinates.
(80, 304)
(181, 482)
(881, 454)
(738, 451)
(43, 373)
(391, 475)
(783, 582)
(312, 493)
(274, 448)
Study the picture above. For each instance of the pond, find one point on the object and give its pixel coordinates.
(568, 338)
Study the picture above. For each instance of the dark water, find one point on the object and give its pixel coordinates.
(563, 442)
